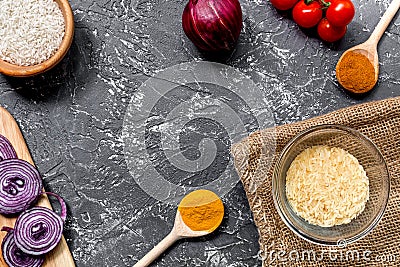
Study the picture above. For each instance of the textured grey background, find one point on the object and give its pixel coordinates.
(72, 117)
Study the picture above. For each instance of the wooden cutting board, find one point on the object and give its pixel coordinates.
(60, 256)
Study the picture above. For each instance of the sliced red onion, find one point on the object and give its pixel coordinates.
(213, 25)
(13, 256)
(6, 149)
(39, 230)
(20, 186)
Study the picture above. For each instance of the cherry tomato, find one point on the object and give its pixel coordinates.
(307, 16)
(283, 4)
(340, 12)
(330, 33)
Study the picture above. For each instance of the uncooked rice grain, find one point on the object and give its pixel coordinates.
(31, 31)
(327, 186)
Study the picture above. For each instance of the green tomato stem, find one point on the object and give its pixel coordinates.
(325, 4)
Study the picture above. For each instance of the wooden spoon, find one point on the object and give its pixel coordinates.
(369, 47)
(181, 230)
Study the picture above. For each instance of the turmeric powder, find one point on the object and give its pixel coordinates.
(202, 210)
(356, 73)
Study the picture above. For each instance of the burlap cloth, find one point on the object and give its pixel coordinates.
(380, 121)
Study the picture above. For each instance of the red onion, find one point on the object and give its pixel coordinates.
(213, 25)
(13, 256)
(20, 186)
(39, 230)
(6, 149)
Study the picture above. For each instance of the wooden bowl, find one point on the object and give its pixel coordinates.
(26, 71)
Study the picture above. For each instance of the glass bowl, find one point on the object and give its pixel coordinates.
(369, 157)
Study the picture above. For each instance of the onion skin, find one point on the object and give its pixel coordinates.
(213, 25)
(6, 149)
(14, 257)
(20, 186)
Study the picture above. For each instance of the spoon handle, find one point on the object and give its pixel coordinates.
(170, 239)
(384, 22)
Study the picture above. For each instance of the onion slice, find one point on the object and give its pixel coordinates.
(13, 256)
(6, 149)
(20, 186)
(39, 230)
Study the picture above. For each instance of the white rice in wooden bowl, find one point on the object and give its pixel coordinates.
(31, 31)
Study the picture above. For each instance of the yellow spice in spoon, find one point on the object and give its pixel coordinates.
(201, 210)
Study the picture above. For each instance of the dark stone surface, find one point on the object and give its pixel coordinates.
(72, 117)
